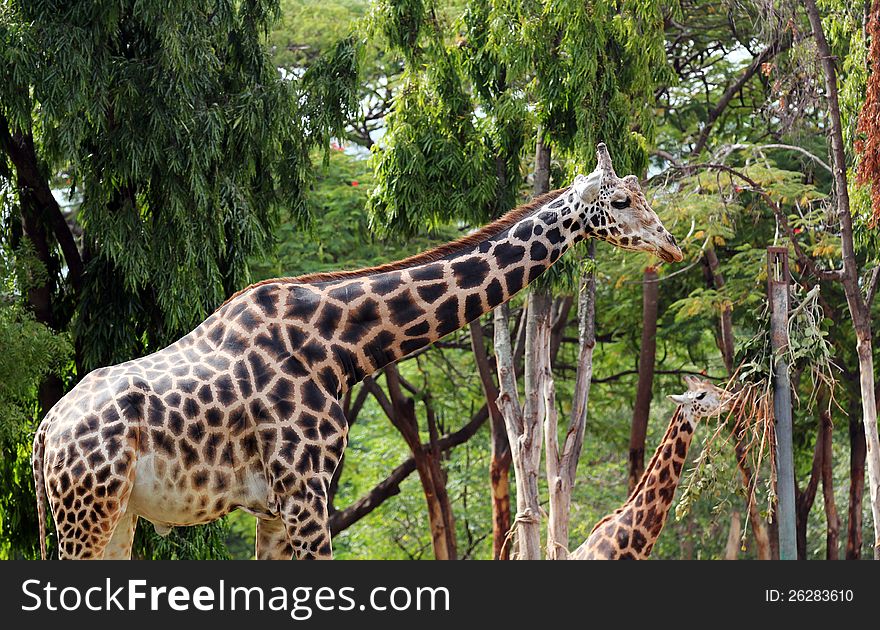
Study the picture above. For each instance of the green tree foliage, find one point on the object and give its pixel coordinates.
(481, 80)
(181, 136)
(28, 351)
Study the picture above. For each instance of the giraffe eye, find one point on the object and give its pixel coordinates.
(701, 396)
(620, 205)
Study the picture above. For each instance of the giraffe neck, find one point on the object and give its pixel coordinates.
(372, 320)
(630, 532)
(651, 499)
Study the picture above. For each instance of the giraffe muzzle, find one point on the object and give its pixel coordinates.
(668, 249)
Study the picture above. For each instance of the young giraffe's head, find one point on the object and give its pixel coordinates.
(618, 212)
(702, 399)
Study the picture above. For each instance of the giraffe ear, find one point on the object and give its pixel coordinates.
(587, 186)
(678, 399)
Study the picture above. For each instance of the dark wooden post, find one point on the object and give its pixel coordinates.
(777, 293)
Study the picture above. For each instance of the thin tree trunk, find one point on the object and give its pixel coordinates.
(805, 499)
(850, 275)
(559, 321)
(562, 468)
(724, 339)
(869, 422)
(644, 389)
(537, 369)
(541, 183)
(438, 475)
(523, 423)
(524, 439)
(773, 535)
(731, 550)
(832, 539)
(857, 452)
(39, 297)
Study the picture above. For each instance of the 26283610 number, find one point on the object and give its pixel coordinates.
(820, 595)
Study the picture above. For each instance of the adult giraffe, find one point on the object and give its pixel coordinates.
(243, 412)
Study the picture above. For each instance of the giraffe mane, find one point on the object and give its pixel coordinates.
(676, 417)
(431, 255)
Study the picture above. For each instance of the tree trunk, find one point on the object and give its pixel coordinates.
(832, 539)
(647, 356)
(869, 422)
(562, 468)
(857, 452)
(39, 297)
(523, 423)
(499, 464)
(850, 275)
(559, 322)
(724, 338)
(524, 438)
(773, 535)
(807, 497)
(44, 225)
(731, 550)
(438, 476)
(537, 370)
(541, 183)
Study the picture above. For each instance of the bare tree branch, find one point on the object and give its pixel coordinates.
(774, 48)
(390, 486)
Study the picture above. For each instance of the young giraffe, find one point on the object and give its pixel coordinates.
(629, 533)
(243, 412)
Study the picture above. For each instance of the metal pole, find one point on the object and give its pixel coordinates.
(777, 293)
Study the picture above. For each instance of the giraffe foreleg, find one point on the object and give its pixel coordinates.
(306, 519)
(273, 543)
(301, 456)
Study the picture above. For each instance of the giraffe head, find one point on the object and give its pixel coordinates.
(702, 399)
(617, 212)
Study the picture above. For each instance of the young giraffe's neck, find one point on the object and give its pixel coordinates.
(368, 321)
(631, 531)
(651, 499)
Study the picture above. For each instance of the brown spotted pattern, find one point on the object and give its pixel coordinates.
(244, 413)
(630, 532)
